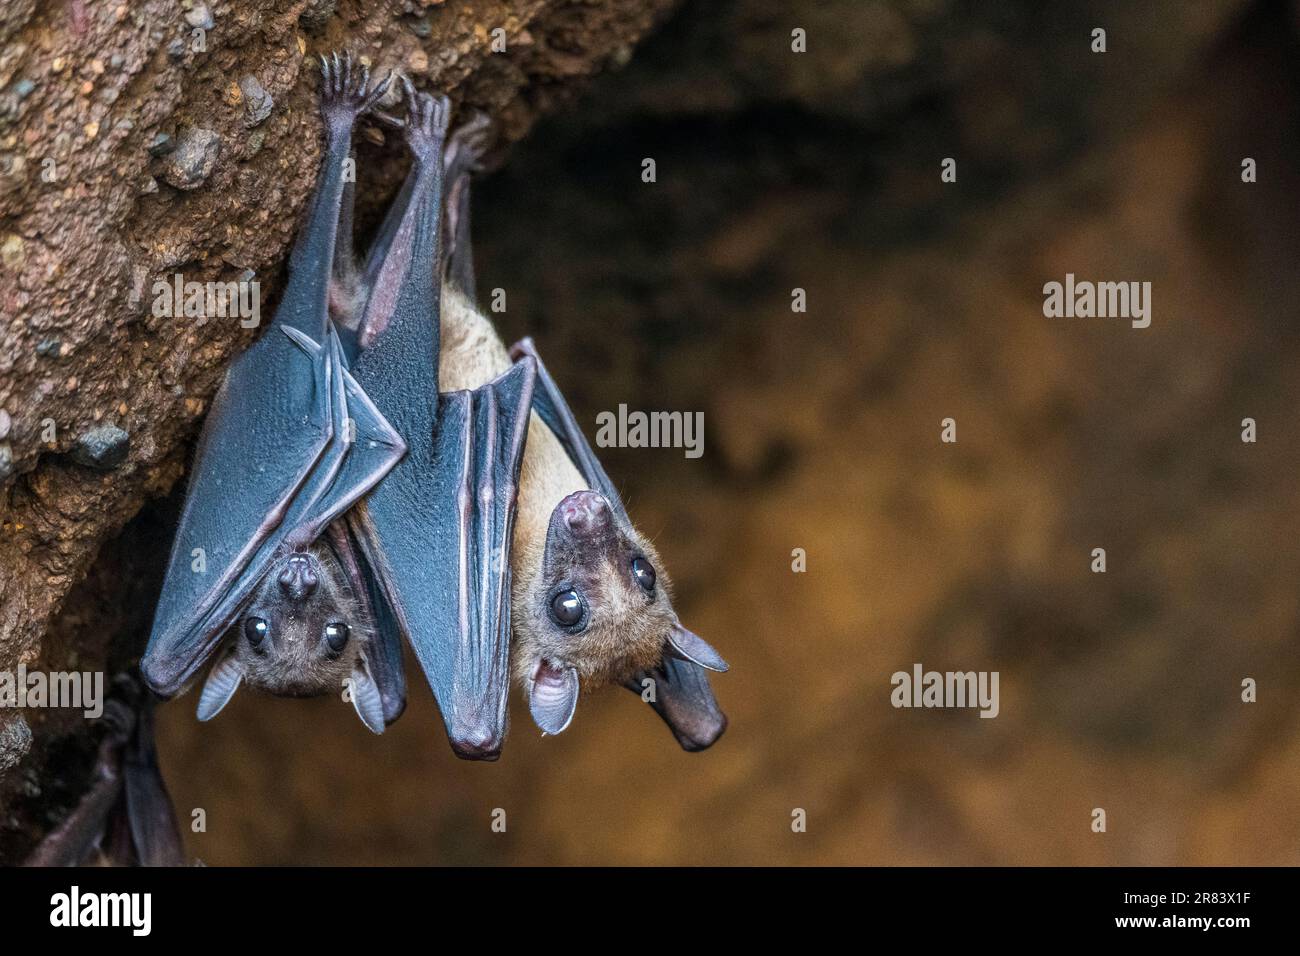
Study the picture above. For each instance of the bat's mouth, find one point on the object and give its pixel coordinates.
(547, 676)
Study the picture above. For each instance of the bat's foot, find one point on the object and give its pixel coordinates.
(346, 92)
(119, 719)
(426, 122)
(467, 145)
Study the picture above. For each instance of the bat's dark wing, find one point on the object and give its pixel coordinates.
(550, 405)
(154, 835)
(683, 696)
(437, 535)
(276, 462)
(383, 653)
(83, 830)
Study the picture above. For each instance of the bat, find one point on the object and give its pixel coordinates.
(290, 443)
(125, 818)
(500, 522)
(434, 534)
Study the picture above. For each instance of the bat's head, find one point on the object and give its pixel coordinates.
(303, 634)
(599, 612)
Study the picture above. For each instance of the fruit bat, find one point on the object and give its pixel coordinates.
(125, 818)
(290, 443)
(499, 521)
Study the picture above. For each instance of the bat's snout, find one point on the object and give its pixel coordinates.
(585, 512)
(298, 577)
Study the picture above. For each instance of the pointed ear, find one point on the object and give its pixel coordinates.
(222, 682)
(367, 700)
(553, 697)
(689, 646)
(685, 701)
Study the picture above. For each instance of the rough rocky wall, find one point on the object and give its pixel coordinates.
(143, 139)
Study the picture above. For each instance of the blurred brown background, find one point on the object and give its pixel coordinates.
(821, 171)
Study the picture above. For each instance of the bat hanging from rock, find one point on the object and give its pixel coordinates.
(291, 442)
(125, 817)
(575, 583)
(466, 508)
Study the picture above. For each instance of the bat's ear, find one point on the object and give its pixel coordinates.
(220, 686)
(683, 698)
(689, 646)
(367, 700)
(553, 697)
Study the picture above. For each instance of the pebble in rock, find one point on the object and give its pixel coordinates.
(199, 16)
(103, 447)
(257, 102)
(15, 741)
(193, 159)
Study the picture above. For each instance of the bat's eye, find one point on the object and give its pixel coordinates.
(336, 636)
(255, 630)
(566, 608)
(644, 572)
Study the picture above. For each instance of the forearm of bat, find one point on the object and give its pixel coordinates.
(407, 280)
(346, 94)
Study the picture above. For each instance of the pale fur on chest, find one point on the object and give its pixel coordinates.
(472, 354)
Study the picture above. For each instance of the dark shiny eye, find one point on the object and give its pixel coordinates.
(255, 629)
(566, 608)
(336, 636)
(644, 573)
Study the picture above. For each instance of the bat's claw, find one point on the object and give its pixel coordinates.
(388, 119)
(426, 122)
(346, 91)
(467, 144)
(119, 721)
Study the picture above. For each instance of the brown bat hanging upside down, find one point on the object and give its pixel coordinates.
(590, 603)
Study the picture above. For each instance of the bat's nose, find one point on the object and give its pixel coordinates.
(298, 578)
(585, 511)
